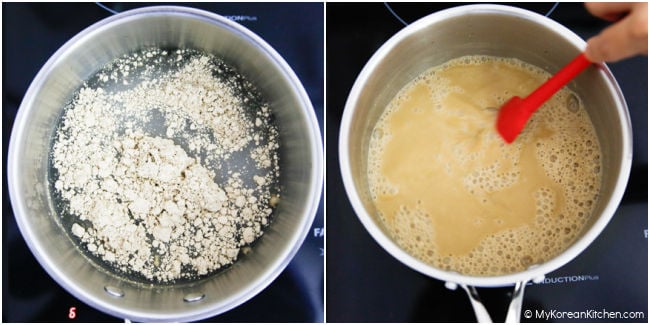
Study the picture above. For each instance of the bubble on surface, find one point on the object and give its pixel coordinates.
(565, 146)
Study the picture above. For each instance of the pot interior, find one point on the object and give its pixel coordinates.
(166, 27)
(494, 31)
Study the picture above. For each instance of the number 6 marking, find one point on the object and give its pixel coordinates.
(72, 313)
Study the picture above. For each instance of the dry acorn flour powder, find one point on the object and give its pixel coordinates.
(165, 165)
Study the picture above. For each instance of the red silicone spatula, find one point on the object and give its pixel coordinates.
(514, 114)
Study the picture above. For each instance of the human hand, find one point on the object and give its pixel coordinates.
(627, 37)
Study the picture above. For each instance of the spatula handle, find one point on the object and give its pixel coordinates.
(561, 78)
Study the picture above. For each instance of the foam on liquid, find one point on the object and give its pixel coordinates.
(453, 194)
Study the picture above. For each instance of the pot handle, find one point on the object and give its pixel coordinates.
(514, 310)
(482, 315)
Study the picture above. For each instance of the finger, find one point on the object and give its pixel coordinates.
(611, 11)
(621, 40)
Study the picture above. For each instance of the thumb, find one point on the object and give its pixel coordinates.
(626, 38)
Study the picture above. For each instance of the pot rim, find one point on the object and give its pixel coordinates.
(17, 137)
(536, 272)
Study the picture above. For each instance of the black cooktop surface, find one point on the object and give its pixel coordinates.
(33, 32)
(366, 284)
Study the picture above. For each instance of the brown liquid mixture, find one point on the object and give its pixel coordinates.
(453, 194)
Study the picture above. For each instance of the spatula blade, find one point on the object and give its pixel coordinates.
(512, 119)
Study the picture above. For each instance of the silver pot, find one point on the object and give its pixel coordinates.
(300, 163)
(483, 30)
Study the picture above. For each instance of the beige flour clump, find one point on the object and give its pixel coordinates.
(192, 98)
(149, 202)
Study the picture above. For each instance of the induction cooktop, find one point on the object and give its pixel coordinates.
(366, 284)
(32, 32)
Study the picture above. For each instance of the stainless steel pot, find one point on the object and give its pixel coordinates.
(300, 163)
(483, 30)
